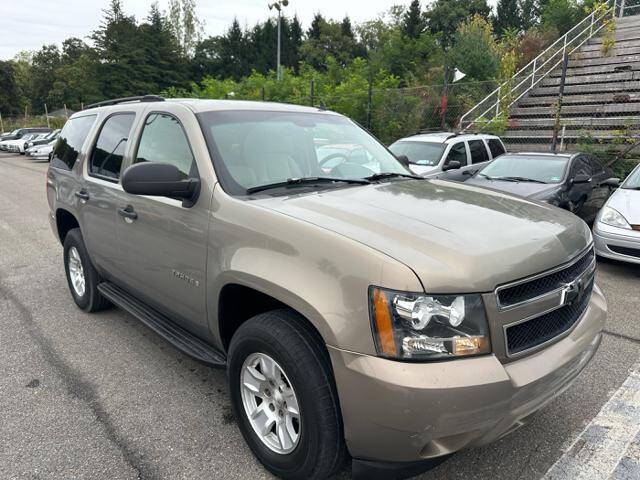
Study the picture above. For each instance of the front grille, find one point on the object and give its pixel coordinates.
(631, 252)
(539, 286)
(539, 330)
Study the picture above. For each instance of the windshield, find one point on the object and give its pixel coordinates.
(256, 148)
(537, 168)
(633, 180)
(420, 153)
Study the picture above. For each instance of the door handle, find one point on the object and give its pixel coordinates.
(128, 213)
(82, 195)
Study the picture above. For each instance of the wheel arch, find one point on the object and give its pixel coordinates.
(65, 221)
(239, 299)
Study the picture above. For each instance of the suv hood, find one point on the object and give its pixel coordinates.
(456, 237)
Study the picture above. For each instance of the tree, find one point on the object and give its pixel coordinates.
(187, 27)
(444, 17)
(9, 91)
(507, 16)
(561, 15)
(164, 60)
(413, 23)
(76, 78)
(124, 69)
(44, 64)
(475, 51)
(314, 31)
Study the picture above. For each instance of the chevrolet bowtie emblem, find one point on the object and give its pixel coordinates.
(573, 292)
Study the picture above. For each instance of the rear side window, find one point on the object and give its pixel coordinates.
(106, 158)
(596, 166)
(478, 151)
(581, 165)
(70, 141)
(163, 141)
(496, 147)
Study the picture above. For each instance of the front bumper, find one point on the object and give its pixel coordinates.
(605, 236)
(407, 412)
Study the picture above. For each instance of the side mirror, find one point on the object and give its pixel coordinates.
(162, 180)
(404, 160)
(612, 182)
(582, 178)
(452, 165)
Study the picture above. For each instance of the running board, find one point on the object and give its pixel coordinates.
(163, 326)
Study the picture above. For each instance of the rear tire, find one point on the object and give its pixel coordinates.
(82, 277)
(303, 365)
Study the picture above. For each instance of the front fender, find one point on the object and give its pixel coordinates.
(319, 273)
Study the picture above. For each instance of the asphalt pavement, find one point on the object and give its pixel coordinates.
(100, 396)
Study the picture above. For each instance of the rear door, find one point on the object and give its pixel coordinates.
(458, 152)
(166, 240)
(479, 157)
(101, 193)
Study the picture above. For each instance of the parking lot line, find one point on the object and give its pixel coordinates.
(609, 448)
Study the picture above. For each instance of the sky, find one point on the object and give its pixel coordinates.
(29, 24)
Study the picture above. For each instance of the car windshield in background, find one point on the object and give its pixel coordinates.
(258, 149)
(420, 153)
(538, 168)
(633, 181)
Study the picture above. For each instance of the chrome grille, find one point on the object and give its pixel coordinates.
(537, 331)
(527, 290)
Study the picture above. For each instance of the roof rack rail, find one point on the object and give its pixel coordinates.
(116, 101)
(435, 132)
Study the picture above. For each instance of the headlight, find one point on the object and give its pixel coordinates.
(414, 326)
(610, 216)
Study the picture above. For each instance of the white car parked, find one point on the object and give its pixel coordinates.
(17, 146)
(448, 155)
(616, 231)
(41, 152)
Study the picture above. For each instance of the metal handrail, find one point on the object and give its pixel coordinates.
(591, 25)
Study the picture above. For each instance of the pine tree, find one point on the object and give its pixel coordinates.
(315, 30)
(413, 23)
(346, 28)
(507, 16)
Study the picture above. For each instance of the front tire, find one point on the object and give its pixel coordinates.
(284, 396)
(82, 277)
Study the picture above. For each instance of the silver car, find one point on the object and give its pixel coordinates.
(616, 231)
(447, 155)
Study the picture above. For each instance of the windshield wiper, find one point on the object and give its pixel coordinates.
(518, 179)
(486, 176)
(382, 176)
(293, 182)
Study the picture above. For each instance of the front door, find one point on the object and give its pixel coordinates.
(457, 153)
(166, 240)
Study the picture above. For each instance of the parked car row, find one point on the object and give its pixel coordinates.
(34, 142)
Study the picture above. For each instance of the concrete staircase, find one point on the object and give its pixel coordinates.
(601, 104)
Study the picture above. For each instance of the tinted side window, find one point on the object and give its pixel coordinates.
(106, 158)
(496, 147)
(70, 141)
(596, 166)
(163, 141)
(458, 153)
(478, 151)
(580, 165)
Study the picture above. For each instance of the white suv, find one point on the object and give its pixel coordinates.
(448, 155)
